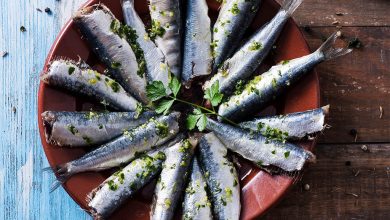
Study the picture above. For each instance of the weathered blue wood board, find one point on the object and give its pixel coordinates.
(24, 189)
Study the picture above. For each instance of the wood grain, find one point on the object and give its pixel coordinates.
(358, 191)
(24, 189)
(354, 13)
(356, 85)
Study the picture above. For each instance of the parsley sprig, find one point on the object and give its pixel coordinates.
(163, 101)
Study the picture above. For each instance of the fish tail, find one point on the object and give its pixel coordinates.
(310, 157)
(329, 51)
(289, 6)
(130, 2)
(325, 109)
(62, 175)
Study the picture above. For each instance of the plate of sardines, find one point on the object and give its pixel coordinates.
(169, 109)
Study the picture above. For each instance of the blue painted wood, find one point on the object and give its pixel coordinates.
(24, 189)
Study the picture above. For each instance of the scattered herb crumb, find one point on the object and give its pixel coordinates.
(306, 187)
(353, 132)
(4, 54)
(355, 43)
(364, 148)
(23, 29)
(48, 10)
(380, 112)
(14, 109)
(307, 29)
(38, 9)
(339, 14)
(335, 22)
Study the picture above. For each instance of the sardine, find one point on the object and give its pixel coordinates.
(263, 88)
(248, 58)
(173, 179)
(156, 66)
(259, 149)
(68, 75)
(196, 205)
(112, 43)
(72, 129)
(197, 59)
(294, 125)
(221, 177)
(167, 31)
(233, 20)
(124, 148)
(122, 185)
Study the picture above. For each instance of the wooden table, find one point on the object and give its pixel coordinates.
(347, 182)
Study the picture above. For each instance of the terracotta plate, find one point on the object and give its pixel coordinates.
(259, 190)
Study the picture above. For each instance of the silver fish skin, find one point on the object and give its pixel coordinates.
(234, 15)
(263, 88)
(124, 148)
(68, 75)
(296, 125)
(248, 58)
(167, 15)
(221, 177)
(109, 195)
(173, 179)
(122, 185)
(96, 24)
(156, 66)
(197, 59)
(70, 129)
(259, 149)
(196, 205)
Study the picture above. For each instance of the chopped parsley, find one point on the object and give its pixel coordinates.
(162, 129)
(286, 154)
(71, 70)
(72, 129)
(131, 37)
(157, 30)
(235, 10)
(255, 46)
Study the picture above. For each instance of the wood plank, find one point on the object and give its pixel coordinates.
(337, 191)
(356, 85)
(24, 188)
(355, 13)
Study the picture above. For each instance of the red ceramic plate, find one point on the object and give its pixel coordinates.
(259, 190)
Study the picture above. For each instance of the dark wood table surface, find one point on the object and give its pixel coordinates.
(348, 182)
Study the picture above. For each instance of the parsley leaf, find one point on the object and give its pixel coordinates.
(197, 119)
(164, 106)
(155, 91)
(191, 121)
(174, 85)
(213, 95)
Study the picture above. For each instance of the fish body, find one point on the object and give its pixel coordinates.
(69, 75)
(197, 59)
(71, 128)
(156, 66)
(295, 125)
(248, 58)
(233, 20)
(221, 177)
(196, 205)
(124, 148)
(259, 149)
(167, 30)
(122, 185)
(109, 41)
(263, 88)
(173, 179)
